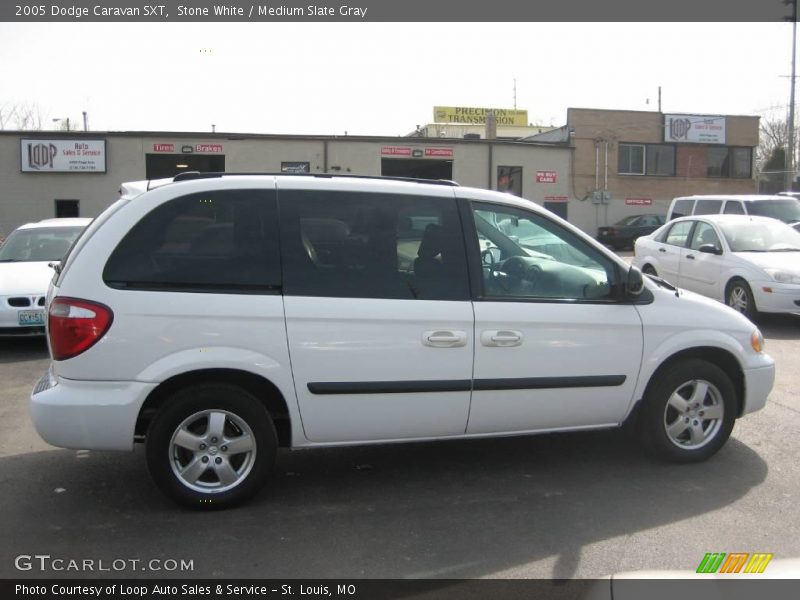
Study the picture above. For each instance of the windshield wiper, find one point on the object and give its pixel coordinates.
(785, 250)
(663, 283)
(10, 260)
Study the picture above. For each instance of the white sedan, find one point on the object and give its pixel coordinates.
(750, 263)
(25, 272)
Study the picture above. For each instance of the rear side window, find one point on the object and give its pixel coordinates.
(682, 208)
(708, 207)
(364, 245)
(220, 241)
(678, 233)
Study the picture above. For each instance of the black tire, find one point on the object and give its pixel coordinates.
(740, 298)
(220, 476)
(690, 433)
(649, 270)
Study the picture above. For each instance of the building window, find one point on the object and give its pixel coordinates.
(68, 208)
(647, 159)
(509, 179)
(742, 162)
(631, 159)
(660, 160)
(723, 161)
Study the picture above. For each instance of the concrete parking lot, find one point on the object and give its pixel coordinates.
(553, 506)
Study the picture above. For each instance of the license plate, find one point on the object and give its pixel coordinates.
(30, 317)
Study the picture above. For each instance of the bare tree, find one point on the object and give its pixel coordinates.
(21, 117)
(773, 135)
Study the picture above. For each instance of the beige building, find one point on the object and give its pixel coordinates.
(601, 166)
(631, 162)
(47, 174)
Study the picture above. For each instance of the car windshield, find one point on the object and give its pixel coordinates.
(631, 220)
(761, 236)
(787, 210)
(38, 244)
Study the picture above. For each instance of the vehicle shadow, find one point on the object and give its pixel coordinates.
(460, 509)
(20, 349)
(779, 327)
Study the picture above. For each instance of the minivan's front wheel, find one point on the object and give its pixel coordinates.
(211, 446)
(688, 411)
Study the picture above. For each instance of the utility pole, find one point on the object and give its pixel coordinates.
(790, 150)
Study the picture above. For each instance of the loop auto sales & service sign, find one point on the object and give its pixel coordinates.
(62, 156)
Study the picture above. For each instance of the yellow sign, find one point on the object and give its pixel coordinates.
(466, 115)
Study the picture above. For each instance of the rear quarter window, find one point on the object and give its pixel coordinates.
(222, 241)
(682, 208)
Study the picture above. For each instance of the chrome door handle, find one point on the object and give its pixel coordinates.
(444, 338)
(502, 338)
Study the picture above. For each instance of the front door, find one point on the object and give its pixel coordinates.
(554, 347)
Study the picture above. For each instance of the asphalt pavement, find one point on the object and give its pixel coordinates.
(553, 506)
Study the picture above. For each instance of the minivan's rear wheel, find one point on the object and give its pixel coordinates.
(688, 411)
(211, 446)
(739, 297)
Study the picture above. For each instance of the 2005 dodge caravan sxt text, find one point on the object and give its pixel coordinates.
(219, 317)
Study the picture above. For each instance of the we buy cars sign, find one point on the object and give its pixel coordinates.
(546, 177)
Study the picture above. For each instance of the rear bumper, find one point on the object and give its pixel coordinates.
(94, 415)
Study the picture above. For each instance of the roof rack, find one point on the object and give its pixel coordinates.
(190, 175)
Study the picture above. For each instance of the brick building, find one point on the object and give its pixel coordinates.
(630, 162)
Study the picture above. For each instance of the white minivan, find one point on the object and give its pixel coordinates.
(784, 208)
(218, 317)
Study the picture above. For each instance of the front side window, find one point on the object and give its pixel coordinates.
(678, 233)
(787, 210)
(369, 245)
(525, 255)
(221, 241)
(704, 235)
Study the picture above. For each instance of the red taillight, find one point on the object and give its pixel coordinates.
(76, 325)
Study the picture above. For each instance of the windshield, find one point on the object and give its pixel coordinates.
(787, 210)
(762, 236)
(631, 220)
(39, 244)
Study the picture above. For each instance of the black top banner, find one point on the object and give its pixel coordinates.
(388, 589)
(397, 11)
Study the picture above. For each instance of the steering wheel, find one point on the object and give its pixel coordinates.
(487, 259)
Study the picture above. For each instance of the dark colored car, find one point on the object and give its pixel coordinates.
(623, 233)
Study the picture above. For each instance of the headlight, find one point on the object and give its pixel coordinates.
(757, 341)
(783, 276)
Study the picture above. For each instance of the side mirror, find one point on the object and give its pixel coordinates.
(710, 249)
(634, 285)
